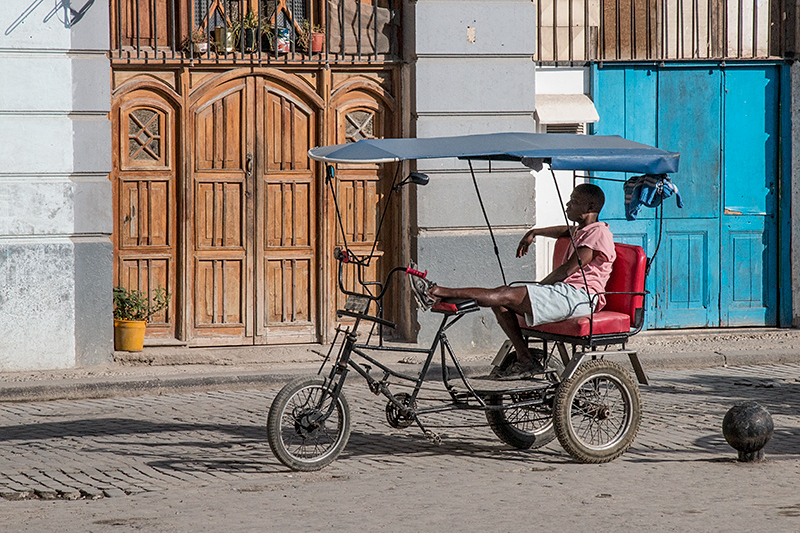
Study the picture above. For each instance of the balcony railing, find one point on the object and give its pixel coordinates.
(207, 32)
(577, 31)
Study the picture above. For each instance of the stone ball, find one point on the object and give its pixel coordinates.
(747, 427)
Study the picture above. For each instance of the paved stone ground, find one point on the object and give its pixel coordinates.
(202, 460)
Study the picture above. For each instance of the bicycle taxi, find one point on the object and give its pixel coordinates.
(592, 405)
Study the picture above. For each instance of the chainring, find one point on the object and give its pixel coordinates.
(393, 415)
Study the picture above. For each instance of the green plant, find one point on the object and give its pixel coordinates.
(250, 22)
(135, 305)
(304, 35)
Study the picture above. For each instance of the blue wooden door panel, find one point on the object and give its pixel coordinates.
(751, 140)
(689, 122)
(688, 293)
(631, 94)
(748, 229)
(724, 121)
(747, 272)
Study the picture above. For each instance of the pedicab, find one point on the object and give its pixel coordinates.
(590, 404)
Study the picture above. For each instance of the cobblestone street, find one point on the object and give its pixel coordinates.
(211, 449)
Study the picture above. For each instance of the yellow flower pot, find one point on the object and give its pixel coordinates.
(129, 335)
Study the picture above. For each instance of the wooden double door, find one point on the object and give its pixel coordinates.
(217, 201)
(251, 262)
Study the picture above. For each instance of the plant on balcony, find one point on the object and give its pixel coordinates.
(245, 32)
(310, 39)
(197, 42)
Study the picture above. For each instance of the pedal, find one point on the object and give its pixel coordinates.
(435, 438)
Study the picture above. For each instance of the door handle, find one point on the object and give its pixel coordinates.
(248, 166)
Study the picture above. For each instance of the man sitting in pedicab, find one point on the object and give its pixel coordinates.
(559, 296)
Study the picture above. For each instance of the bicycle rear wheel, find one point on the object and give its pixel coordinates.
(521, 427)
(597, 412)
(307, 427)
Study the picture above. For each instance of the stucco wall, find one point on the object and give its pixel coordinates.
(473, 73)
(55, 196)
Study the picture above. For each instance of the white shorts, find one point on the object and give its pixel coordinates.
(553, 303)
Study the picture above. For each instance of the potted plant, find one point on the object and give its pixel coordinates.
(244, 32)
(317, 39)
(197, 41)
(132, 310)
(310, 39)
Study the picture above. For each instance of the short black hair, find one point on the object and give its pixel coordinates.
(594, 194)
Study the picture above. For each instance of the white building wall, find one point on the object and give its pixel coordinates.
(552, 80)
(55, 195)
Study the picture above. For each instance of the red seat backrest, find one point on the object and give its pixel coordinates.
(627, 275)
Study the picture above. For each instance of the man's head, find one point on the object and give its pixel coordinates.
(586, 199)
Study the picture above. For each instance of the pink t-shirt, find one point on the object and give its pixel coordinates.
(598, 237)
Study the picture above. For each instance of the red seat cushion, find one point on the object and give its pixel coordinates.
(627, 275)
(604, 322)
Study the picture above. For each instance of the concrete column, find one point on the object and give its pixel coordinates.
(55, 195)
(474, 73)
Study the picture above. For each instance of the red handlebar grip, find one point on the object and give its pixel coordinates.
(417, 273)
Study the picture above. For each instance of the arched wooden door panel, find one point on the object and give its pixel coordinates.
(286, 303)
(252, 199)
(361, 189)
(145, 201)
(220, 251)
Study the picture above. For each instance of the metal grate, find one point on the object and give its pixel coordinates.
(565, 128)
(254, 31)
(578, 31)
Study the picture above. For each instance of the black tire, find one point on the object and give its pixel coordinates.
(597, 412)
(521, 427)
(298, 435)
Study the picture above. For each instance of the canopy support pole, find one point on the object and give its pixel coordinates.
(488, 225)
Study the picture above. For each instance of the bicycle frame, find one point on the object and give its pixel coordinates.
(470, 399)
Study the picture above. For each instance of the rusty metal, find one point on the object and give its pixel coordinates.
(136, 38)
(661, 30)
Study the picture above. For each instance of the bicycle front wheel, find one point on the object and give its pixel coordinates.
(307, 427)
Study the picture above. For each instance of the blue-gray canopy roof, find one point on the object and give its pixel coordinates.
(561, 151)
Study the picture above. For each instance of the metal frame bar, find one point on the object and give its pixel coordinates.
(178, 16)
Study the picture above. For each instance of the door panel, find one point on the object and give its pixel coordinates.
(286, 251)
(220, 282)
(689, 122)
(145, 192)
(686, 274)
(748, 224)
(725, 124)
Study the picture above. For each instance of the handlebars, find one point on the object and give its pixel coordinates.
(345, 256)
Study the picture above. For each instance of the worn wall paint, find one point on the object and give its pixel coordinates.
(37, 305)
(55, 196)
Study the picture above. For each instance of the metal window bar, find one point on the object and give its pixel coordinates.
(154, 19)
(172, 16)
(138, 44)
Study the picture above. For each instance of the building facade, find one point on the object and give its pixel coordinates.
(55, 193)
(162, 143)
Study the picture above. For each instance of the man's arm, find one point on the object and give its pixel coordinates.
(551, 231)
(567, 269)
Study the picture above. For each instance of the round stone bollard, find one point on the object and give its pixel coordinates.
(748, 427)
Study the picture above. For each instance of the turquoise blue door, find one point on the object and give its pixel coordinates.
(718, 259)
